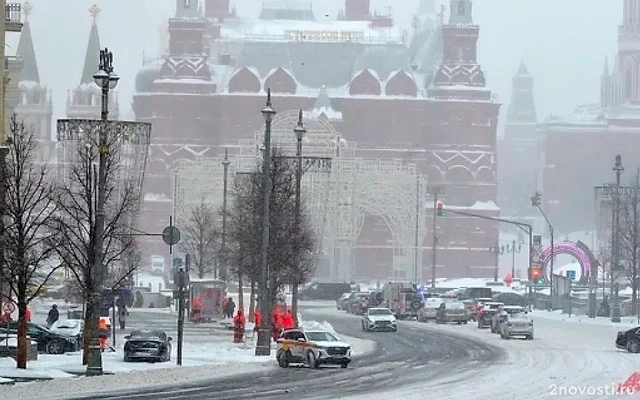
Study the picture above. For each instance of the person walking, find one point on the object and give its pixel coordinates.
(231, 308)
(53, 315)
(122, 317)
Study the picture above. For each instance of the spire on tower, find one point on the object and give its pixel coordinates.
(522, 70)
(460, 12)
(29, 72)
(92, 56)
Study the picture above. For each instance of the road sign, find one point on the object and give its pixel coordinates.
(171, 235)
(8, 308)
(177, 262)
(571, 275)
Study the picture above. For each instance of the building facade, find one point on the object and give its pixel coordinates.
(422, 100)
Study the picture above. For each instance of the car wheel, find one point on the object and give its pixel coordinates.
(127, 359)
(493, 330)
(55, 347)
(459, 322)
(633, 347)
(362, 324)
(465, 322)
(530, 337)
(344, 365)
(283, 358)
(311, 359)
(479, 324)
(394, 330)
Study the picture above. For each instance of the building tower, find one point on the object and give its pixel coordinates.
(460, 139)
(519, 150)
(34, 103)
(84, 101)
(356, 10)
(218, 10)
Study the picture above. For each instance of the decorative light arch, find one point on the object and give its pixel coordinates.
(569, 248)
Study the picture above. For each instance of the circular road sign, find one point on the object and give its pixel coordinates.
(171, 235)
(8, 308)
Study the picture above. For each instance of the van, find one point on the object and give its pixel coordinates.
(475, 293)
(324, 291)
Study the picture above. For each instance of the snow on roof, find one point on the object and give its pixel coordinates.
(328, 31)
(589, 114)
(477, 206)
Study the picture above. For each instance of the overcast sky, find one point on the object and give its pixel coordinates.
(563, 42)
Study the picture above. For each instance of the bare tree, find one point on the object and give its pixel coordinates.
(29, 259)
(630, 237)
(75, 220)
(199, 237)
(291, 246)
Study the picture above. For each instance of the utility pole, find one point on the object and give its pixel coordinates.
(181, 286)
(225, 165)
(536, 202)
(513, 249)
(299, 131)
(416, 257)
(106, 80)
(498, 251)
(263, 347)
(618, 168)
(435, 192)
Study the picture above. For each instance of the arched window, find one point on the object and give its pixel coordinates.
(461, 10)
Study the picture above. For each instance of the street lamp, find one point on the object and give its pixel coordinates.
(263, 347)
(225, 180)
(615, 241)
(513, 248)
(106, 79)
(498, 251)
(536, 201)
(299, 131)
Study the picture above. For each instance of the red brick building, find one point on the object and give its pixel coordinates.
(424, 101)
(578, 151)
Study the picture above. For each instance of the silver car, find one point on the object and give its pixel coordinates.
(429, 309)
(519, 324)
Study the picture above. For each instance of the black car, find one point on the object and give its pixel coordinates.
(48, 342)
(629, 340)
(147, 345)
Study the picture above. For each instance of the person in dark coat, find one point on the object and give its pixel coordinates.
(122, 317)
(53, 316)
(231, 308)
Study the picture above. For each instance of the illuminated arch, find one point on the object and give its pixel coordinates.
(568, 248)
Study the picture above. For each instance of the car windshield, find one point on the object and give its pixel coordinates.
(321, 337)
(454, 305)
(513, 310)
(145, 335)
(379, 311)
(67, 324)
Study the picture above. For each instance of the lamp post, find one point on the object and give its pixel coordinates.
(498, 251)
(225, 182)
(435, 192)
(299, 131)
(615, 241)
(106, 80)
(263, 347)
(513, 248)
(536, 201)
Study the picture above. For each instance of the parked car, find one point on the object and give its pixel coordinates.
(629, 340)
(429, 309)
(478, 304)
(519, 324)
(312, 347)
(48, 342)
(324, 291)
(484, 314)
(340, 302)
(147, 345)
(501, 316)
(379, 319)
(375, 299)
(357, 304)
(452, 311)
(72, 328)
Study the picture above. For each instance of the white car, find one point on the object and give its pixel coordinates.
(312, 347)
(379, 319)
(430, 308)
(519, 324)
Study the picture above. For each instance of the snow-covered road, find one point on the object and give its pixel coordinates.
(565, 360)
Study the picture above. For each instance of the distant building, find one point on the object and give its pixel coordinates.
(423, 100)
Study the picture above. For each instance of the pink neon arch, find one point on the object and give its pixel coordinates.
(569, 248)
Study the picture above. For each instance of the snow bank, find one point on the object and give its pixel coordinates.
(11, 342)
(626, 322)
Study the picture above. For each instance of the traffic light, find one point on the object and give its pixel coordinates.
(536, 199)
(536, 274)
(441, 211)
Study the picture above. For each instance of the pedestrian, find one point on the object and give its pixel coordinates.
(53, 315)
(287, 320)
(225, 307)
(257, 321)
(231, 308)
(103, 332)
(6, 317)
(196, 309)
(239, 322)
(27, 314)
(122, 317)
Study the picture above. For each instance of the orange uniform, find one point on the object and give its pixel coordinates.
(287, 320)
(239, 322)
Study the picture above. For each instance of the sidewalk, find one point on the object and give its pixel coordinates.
(626, 322)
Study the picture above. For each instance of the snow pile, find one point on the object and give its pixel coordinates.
(626, 322)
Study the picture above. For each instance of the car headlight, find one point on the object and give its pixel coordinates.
(371, 321)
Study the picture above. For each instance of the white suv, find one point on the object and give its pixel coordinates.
(312, 347)
(379, 319)
(519, 324)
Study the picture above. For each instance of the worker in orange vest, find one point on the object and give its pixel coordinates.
(287, 320)
(103, 332)
(225, 307)
(27, 314)
(196, 309)
(257, 320)
(239, 322)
